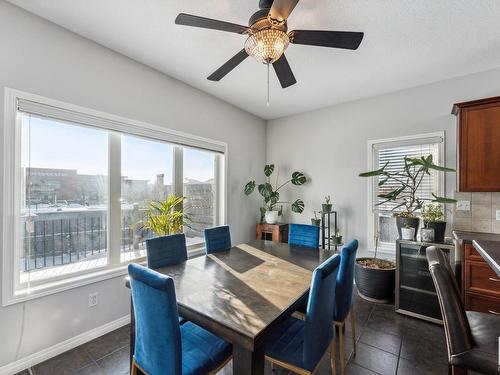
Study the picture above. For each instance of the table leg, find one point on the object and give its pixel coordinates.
(247, 362)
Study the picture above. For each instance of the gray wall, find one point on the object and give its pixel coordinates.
(44, 59)
(330, 144)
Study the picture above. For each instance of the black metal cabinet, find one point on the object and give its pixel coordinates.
(415, 292)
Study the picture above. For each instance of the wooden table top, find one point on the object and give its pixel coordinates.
(241, 293)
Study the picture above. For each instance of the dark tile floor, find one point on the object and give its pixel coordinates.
(387, 343)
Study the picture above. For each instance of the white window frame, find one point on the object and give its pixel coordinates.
(12, 292)
(395, 142)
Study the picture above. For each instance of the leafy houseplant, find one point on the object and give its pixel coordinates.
(375, 278)
(166, 217)
(403, 188)
(273, 207)
(315, 220)
(327, 206)
(433, 217)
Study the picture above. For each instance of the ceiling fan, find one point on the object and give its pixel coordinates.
(268, 38)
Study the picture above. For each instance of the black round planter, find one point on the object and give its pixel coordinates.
(413, 222)
(439, 230)
(375, 285)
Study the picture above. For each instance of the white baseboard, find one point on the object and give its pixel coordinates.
(43, 355)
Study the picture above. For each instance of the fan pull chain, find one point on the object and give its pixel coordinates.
(268, 84)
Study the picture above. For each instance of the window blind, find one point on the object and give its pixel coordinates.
(394, 155)
(119, 125)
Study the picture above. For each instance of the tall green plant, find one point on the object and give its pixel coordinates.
(166, 217)
(409, 180)
(271, 194)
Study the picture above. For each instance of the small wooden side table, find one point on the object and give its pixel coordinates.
(272, 232)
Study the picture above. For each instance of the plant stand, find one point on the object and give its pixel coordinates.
(327, 242)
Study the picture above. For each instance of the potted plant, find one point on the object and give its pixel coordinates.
(315, 220)
(401, 187)
(273, 207)
(327, 206)
(338, 237)
(375, 278)
(166, 217)
(433, 217)
(408, 232)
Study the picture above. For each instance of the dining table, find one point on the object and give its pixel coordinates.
(242, 294)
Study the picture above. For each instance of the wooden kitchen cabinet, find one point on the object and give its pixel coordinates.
(478, 145)
(480, 285)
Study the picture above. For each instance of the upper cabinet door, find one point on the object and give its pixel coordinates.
(478, 145)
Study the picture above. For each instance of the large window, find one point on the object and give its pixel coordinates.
(79, 184)
(394, 151)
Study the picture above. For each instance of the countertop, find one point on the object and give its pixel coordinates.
(468, 237)
(490, 251)
(486, 244)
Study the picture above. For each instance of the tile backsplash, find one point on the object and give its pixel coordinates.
(482, 214)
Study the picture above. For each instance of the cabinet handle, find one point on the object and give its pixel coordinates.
(493, 312)
(493, 279)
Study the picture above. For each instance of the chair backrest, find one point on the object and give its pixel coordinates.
(345, 281)
(318, 325)
(157, 332)
(217, 239)
(456, 325)
(303, 235)
(167, 250)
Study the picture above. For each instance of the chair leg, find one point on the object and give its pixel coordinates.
(353, 330)
(133, 369)
(453, 370)
(333, 359)
(341, 348)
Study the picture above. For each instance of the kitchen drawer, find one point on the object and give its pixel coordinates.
(482, 303)
(480, 278)
(471, 254)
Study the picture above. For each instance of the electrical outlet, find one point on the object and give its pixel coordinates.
(93, 301)
(498, 214)
(463, 205)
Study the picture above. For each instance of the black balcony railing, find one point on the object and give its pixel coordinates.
(69, 236)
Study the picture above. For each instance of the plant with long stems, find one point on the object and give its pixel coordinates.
(271, 194)
(409, 180)
(166, 217)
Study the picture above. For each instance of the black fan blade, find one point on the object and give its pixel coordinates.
(281, 9)
(209, 23)
(284, 72)
(232, 63)
(334, 39)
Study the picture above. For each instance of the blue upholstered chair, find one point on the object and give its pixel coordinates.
(343, 298)
(303, 235)
(299, 345)
(166, 251)
(217, 239)
(162, 346)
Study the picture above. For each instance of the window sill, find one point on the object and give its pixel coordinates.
(75, 281)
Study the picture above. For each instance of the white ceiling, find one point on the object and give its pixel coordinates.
(407, 43)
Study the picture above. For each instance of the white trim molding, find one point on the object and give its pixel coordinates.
(54, 350)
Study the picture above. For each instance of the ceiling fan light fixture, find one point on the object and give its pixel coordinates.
(267, 45)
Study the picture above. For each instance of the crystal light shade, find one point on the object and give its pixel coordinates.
(267, 45)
